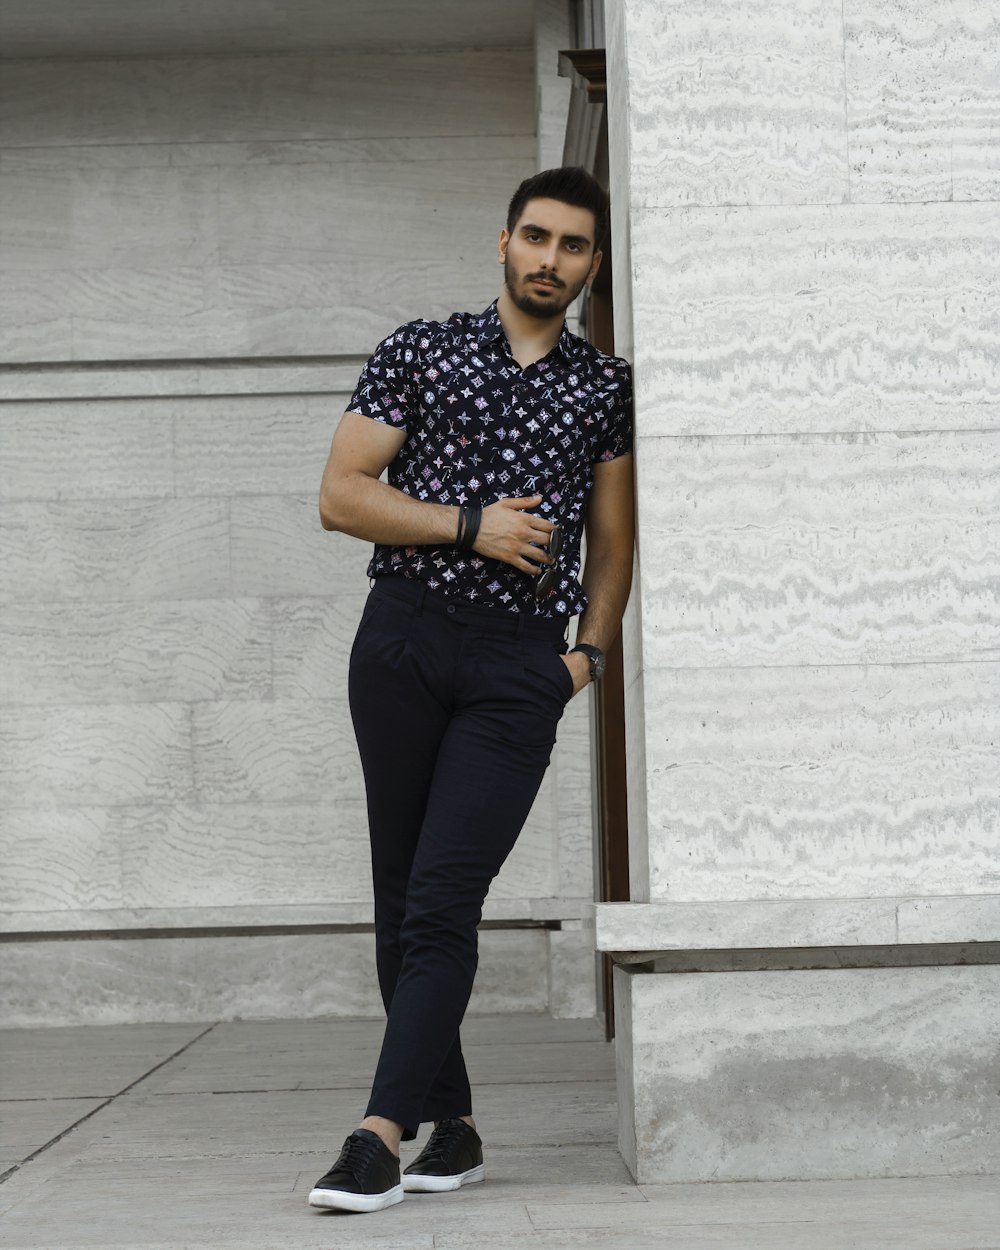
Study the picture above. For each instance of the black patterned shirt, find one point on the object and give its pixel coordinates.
(480, 428)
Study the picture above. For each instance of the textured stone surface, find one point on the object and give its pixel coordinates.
(835, 782)
(811, 1075)
(114, 981)
(93, 754)
(158, 1157)
(768, 320)
(114, 550)
(748, 925)
(735, 106)
(572, 972)
(239, 264)
(821, 549)
(552, 34)
(91, 450)
(184, 650)
(923, 99)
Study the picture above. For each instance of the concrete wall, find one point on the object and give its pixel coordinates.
(196, 254)
(808, 194)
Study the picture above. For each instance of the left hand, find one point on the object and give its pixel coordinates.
(579, 669)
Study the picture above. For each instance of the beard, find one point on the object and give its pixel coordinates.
(561, 298)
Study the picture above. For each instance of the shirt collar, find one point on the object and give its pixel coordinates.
(487, 329)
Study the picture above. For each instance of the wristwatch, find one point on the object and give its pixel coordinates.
(596, 657)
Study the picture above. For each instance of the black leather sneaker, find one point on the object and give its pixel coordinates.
(364, 1178)
(452, 1157)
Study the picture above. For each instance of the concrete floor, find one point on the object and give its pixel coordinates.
(208, 1137)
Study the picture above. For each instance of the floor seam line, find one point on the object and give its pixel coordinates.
(107, 1102)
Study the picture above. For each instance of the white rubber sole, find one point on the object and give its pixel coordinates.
(416, 1184)
(337, 1200)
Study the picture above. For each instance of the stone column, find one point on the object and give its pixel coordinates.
(808, 267)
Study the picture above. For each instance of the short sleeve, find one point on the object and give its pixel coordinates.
(615, 437)
(385, 391)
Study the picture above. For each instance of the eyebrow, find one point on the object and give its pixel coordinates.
(529, 228)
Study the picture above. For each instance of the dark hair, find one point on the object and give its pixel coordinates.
(570, 184)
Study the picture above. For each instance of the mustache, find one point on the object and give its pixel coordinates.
(544, 277)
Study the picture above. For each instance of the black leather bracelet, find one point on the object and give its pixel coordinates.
(463, 519)
(474, 516)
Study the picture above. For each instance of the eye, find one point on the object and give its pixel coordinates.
(574, 247)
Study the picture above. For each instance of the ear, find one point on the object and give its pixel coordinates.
(502, 244)
(594, 266)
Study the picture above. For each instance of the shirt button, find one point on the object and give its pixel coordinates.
(451, 609)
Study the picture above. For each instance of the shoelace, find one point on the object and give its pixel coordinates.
(356, 1155)
(447, 1134)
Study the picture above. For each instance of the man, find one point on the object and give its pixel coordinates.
(504, 436)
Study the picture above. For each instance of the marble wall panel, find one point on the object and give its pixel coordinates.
(288, 151)
(293, 26)
(968, 919)
(632, 638)
(572, 972)
(114, 550)
(365, 215)
(813, 1074)
(574, 801)
(253, 444)
(91, 450)
(923, 99)
(279, 548)
(346, 95)
(821, 549)
(167, 241)
(734, 105)
(552, 34)
(312, 640)
(36, 216)
(288, 750)
(815, 319)
(58, 858)
(244, 854)
(169, 650)
(104, 753)
(823, 782)
(118, 981)
(147, 218)
(747, 926)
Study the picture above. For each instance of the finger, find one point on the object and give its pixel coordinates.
(519, 562)
(537, 554)
(540, 524)
(529, 501)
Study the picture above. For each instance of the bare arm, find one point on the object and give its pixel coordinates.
(607, 574)
(354, 501)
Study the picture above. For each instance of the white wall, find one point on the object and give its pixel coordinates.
(808, 195)
(196, 254)
(814, 247)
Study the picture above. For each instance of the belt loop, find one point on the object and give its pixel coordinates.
(521, 617)
(421, 592)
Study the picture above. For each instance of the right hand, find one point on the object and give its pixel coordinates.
(506, 533)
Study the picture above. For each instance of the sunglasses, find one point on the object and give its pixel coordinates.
(546, 579)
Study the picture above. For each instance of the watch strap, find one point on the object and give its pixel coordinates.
(594, 654)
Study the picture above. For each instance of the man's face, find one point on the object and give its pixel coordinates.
(549, 256)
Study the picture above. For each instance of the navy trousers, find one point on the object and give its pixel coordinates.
(455, 708)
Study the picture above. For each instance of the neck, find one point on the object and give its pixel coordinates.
(530, 338)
